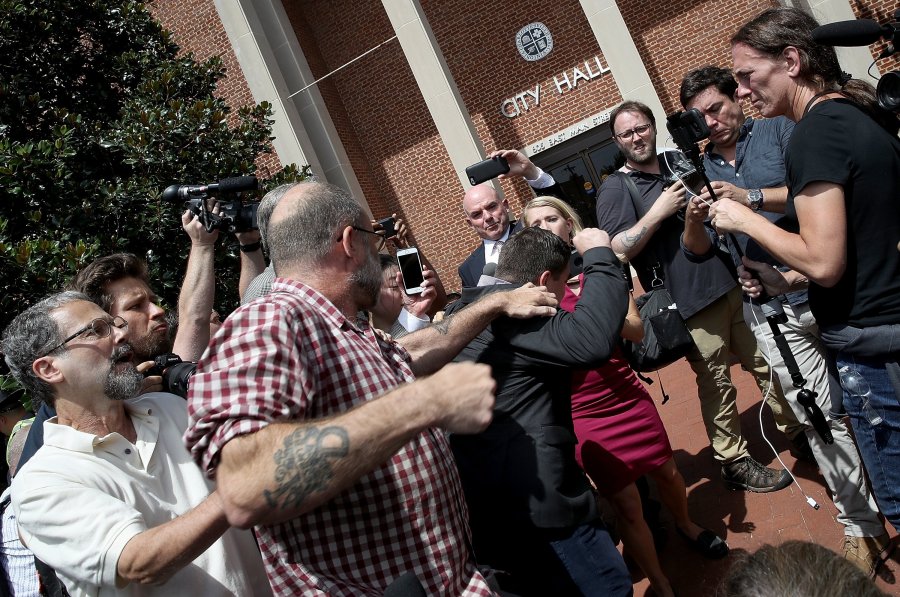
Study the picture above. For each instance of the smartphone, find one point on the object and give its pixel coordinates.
(411, 270)
(487, 169)
(387, 224)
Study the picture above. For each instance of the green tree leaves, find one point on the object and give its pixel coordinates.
(98, 114)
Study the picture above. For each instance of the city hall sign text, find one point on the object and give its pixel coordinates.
(564, 82)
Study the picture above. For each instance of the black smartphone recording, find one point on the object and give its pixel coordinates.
(487, 169)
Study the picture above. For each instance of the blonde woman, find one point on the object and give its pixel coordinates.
(620, 435)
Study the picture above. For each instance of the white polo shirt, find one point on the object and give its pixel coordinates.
(82, 497)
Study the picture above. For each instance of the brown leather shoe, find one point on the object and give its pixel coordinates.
(867, 553)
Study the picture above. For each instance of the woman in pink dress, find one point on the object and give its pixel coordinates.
(620, 435)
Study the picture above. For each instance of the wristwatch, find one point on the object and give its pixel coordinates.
(755, 197)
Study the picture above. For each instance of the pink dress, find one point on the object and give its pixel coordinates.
(620, 435)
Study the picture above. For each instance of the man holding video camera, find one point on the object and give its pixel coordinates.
(745, 159)
(488, 214)
(638, 207)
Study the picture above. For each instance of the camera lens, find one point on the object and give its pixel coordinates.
(888, 91)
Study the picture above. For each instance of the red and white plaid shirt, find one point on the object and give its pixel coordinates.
(293, 356)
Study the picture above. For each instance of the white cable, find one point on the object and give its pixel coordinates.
(762, 431)
(323, 77)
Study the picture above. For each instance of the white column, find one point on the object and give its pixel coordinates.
(622, 56)
(275, 67)
(437, 85)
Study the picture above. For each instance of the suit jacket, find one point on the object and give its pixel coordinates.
(473, 266)
(522, 469)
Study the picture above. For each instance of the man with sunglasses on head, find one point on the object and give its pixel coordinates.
(638, 207)
(112, 501)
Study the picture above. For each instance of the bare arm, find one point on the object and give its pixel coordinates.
(634, 328)
(252, 263)
(632, 241)
(696, 238)
(287, 469)
(820, 249)
(432, 347)
(195, 302)
(152, 557)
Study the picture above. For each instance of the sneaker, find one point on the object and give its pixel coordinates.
(867, 553)
(750, 475)
(800, 448)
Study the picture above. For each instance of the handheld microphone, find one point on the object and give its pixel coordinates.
(489, 269)
(860, 32)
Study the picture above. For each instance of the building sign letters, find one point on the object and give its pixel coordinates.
(563, 82)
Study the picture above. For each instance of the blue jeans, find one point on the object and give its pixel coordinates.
(879, 445)
(593, 562)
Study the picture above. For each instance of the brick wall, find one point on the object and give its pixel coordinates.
(478, 43)
(196, 28)
(384, 123)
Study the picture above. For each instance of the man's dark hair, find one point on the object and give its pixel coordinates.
(630, 106)
(530, 253)
(96, 276)
(700, 78)
(386, 262)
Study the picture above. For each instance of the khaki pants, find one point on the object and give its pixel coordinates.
(718, 331)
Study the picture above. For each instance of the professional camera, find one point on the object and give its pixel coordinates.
(234, 214)
(175, 373)
(863, 32)
(688, 128)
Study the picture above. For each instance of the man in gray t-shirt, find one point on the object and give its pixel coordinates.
(645, 228)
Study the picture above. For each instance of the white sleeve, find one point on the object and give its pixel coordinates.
(543, 181)
(410, 322)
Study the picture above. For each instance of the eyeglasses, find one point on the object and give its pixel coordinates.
(380, 235)
(100, 328)
(640, 130)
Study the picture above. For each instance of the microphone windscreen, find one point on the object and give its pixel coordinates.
(860, 32)
(489, 269)
(238, 183)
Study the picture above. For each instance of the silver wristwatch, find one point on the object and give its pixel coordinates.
(755, 197)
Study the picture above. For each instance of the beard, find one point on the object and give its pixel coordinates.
(122, 384)
(366, 283)
(643, 156)
(153, 344)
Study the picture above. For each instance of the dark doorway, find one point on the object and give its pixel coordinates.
(580, 166)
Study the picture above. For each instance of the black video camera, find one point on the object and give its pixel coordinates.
(234, 214)
(687, 128)
(175, 373)
(863, 32)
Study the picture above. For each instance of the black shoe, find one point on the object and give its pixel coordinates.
(750, 475)
(800, 448)
(707, 543)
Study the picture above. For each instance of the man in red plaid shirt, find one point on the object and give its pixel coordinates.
(315, 428)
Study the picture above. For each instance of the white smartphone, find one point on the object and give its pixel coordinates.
(411, 270)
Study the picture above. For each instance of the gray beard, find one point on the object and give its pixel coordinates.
(125, 384)
(367, 283)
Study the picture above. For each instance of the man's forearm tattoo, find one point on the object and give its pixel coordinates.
(303, 465)
(630, 241)
(443, 326)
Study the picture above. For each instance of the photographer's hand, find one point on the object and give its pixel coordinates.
(725, 190)
(197, 231)
(697, 210)
(730, 216)
(420, 304)
(152, 383)
(519, 164)
(669, 202)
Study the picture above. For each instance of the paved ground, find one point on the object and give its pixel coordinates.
(748, 520)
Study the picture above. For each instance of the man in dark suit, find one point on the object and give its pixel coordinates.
(532, 511)
(488, 214)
